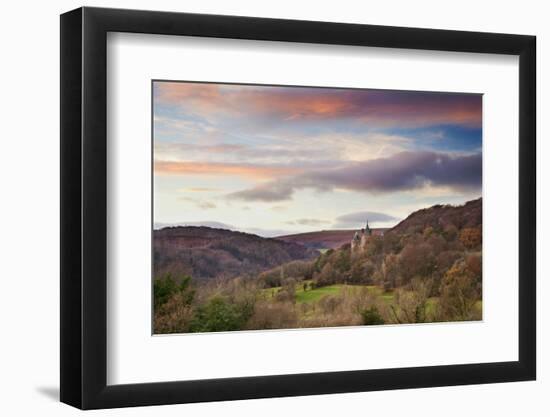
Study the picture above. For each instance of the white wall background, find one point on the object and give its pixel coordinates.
(29, 238)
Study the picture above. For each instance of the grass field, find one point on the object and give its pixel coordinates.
(308, 297)
(316, 294)
(313, 295)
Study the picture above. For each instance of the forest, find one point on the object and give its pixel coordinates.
(426, 269)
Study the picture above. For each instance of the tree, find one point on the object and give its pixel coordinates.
(416, 260)
(471, 237)
(172, 304)
(392, 243)
(450, 232)
(390, 271)
(166, 286)
(327, 276)
(375, 245)
(459, 294)
(410, 305)
(357, 273)
(174, 316)
(288, 291)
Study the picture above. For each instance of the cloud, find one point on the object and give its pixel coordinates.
(199, 189)
(298, 104)
(308, 222)
(359, 218)
(205, 205)
(273, 191)
(403, 171)
(275, 149)
(219, 168)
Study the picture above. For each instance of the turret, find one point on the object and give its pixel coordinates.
(367, 229)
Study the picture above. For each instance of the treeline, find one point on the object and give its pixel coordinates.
(206, 253)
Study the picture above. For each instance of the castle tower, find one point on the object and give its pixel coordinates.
(359, 241)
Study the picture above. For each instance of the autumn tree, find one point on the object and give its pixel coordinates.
(416, 260)
(392, 243)
(410, 305)
(471, 237)
(459, 294)
(450, 232)
(390, 271)
(327, 275)
(173, 299)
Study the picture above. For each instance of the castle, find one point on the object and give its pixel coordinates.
(360, 238)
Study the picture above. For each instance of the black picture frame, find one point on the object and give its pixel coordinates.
(84, 207)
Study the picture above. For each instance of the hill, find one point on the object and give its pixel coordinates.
(205, 253)
(441, 216)
(325, 239)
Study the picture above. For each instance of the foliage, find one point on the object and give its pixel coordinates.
(428, 271)
(172, 304)
(371, 316)
(410, 305)
(166, 286)
(459, 294)
(471, 237)
(174, 316)
(219, 314)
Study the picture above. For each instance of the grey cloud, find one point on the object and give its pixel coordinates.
(308, 222)
(273, 191)
(205, 205)
(400, 172)
(359, 218)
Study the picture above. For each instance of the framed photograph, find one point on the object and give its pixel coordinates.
(257, 208)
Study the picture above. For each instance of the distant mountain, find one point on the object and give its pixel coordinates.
(325, 239)
(205, 252)
(440, 216)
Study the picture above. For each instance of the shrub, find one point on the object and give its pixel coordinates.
(174, 316)
(410, 304)
(371, 316)
(269, 315)
(220, 314)
(288, 291)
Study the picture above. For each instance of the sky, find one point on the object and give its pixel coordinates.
(275, 160)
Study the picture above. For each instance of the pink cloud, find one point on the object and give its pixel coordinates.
(213, 168)
(376, 107)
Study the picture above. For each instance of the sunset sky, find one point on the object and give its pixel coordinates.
(279, 160)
